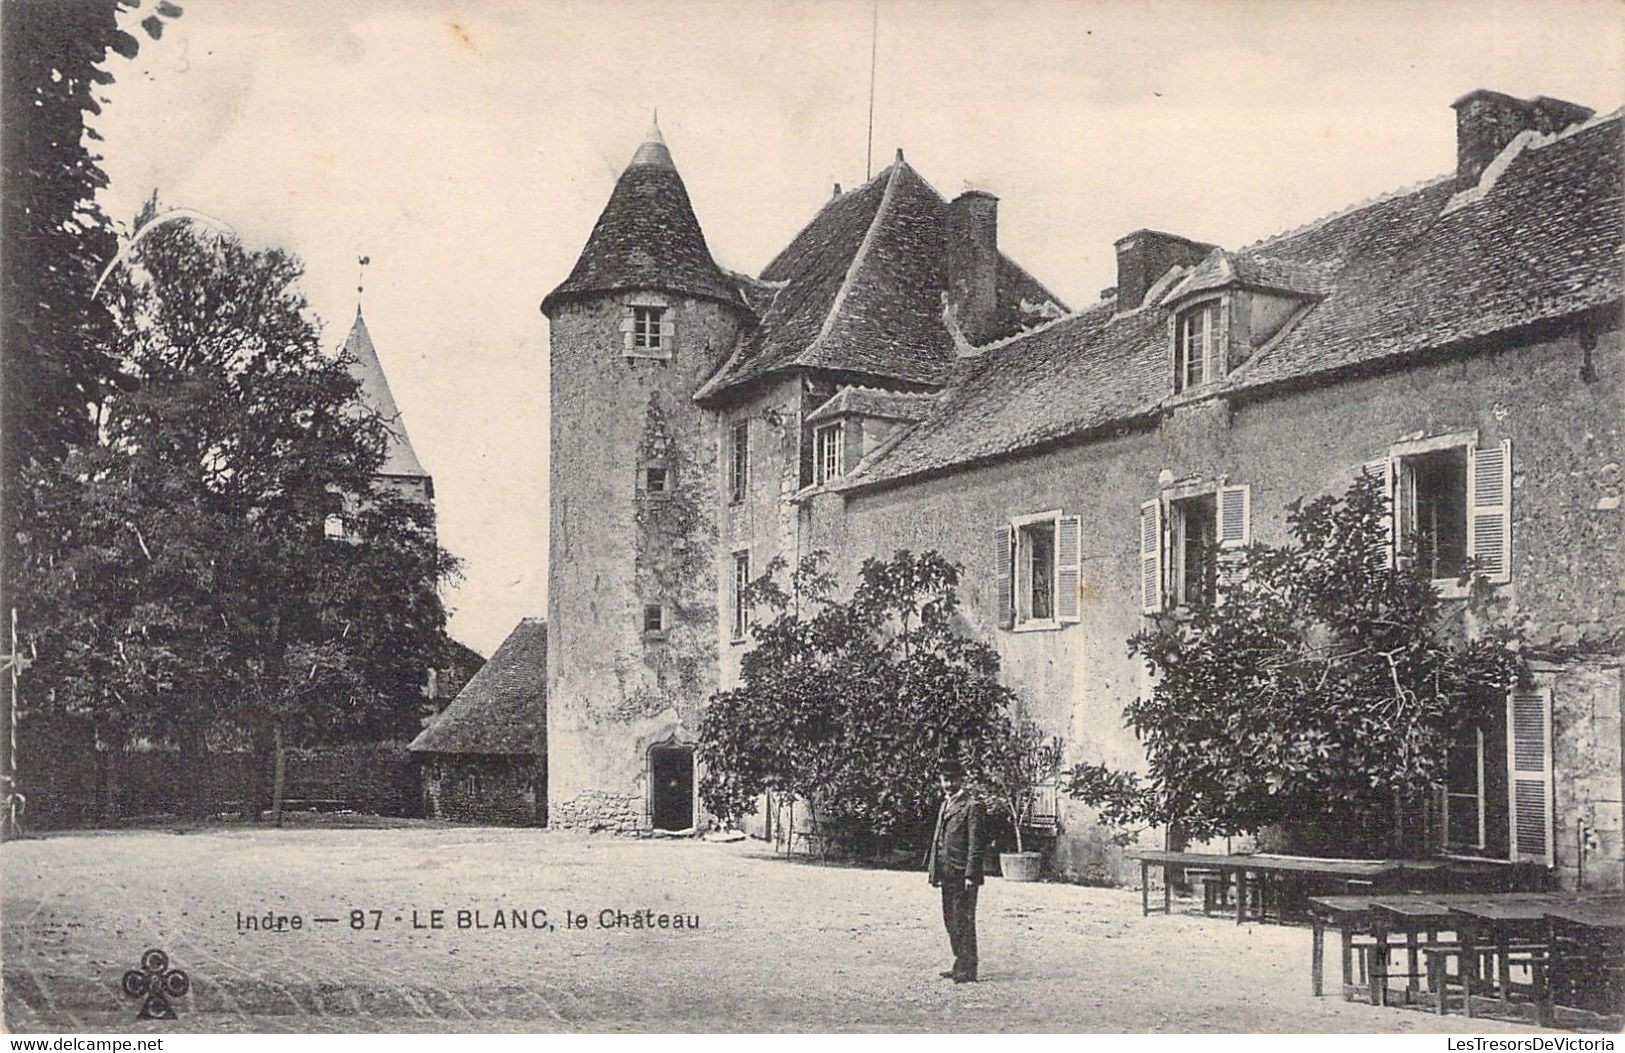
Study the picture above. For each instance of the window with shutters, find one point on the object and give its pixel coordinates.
(741, 583)
(1529, 774)
(1039, 570)
(827, 441)
(738, 460)
(1452, 507)
(1193, 548)
(1191, 541)
(654, 621)
(648, 331)
(1431, 499)
(1196, 346)
(1464, 811)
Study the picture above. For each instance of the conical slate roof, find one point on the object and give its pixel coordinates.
(399, 458)
(647, 238)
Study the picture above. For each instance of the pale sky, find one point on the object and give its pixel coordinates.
(468, 147)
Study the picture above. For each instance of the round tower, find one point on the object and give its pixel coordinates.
(645, 317)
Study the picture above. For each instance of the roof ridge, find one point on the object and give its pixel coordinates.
(858, 258)
(884, 173)
(1070, 316)
(1375, 199)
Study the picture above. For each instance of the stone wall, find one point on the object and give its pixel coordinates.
(485, 788)
(613, 689)
(596, 810)
(1566, 529)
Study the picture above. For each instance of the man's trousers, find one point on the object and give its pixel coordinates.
(959, 917)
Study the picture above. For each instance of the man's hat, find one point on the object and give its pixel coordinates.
(951, 765)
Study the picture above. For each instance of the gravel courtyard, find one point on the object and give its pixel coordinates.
(781, 946)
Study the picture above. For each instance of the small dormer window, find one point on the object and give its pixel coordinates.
(646, 327)
(1196, 343)
(827, 452)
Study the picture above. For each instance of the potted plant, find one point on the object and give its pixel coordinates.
(1017, 764)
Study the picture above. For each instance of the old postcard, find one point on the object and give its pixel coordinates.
(839, 516)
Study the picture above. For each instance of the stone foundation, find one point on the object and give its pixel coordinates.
(595, 810)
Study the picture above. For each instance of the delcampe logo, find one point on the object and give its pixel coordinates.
(157, 985)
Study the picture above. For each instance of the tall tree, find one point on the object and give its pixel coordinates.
(52, 331)
(201, 592)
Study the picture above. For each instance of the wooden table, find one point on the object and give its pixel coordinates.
(1257, 871)
(1351, 915)
(1585, 959)
(1381, 916)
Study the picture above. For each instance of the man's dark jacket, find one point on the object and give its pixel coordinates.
(958, 847)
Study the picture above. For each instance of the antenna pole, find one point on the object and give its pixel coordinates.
(869, 149)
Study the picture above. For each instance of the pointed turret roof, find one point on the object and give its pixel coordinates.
(647, 238)
(362, 359)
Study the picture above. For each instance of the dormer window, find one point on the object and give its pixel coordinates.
(827, 452)
(1196, 345)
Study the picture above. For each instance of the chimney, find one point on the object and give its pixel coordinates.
(1486, 121)
(973, 263)
(1146, 255)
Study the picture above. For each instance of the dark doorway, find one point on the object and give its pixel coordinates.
(671, 776)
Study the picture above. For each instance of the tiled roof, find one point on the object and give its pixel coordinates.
(399, 457)
(872, 402)
(1255, 270)
(647, 238)
(1400, 277)
(860, 290)
(503, 709)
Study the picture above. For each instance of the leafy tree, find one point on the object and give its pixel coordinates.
(53, 334)
(1015, 764)
(848, 705)
(1318, 693)
(192, 589)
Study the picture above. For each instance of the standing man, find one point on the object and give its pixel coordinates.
(955, 865)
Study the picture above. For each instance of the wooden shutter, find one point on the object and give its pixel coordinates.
(1383, 470)
(628, 325)
(1489, 510)
(1529, 774)
(1151, 557)
(1235, 529)
(1003, 574)
(1068, 568)
(668, 336)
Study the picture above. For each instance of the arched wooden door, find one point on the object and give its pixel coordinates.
(671, 787)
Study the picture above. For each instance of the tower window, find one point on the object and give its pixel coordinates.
(654, 620)
(646, 331)
(655, 479)
(738, 460)
(333, 527)
(741, 583)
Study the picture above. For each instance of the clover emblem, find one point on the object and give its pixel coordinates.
(156, 984)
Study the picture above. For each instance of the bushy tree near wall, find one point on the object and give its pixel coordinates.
(1320, 690)
(189, 585)
(851, 704)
